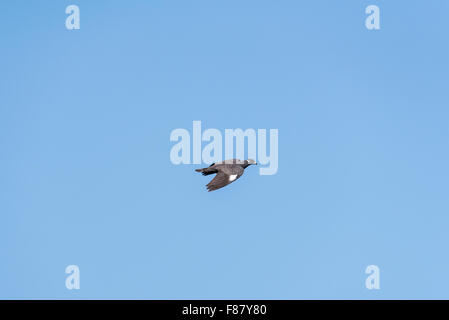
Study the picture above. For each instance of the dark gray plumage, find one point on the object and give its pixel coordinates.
(227, 172)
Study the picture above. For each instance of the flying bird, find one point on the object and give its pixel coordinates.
(227, 172)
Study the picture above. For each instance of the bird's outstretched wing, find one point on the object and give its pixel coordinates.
(221, 180)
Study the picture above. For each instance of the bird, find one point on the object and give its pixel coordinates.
(227, 172)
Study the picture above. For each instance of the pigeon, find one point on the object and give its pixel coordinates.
(227, 172)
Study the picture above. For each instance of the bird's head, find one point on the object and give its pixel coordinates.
(250, 162)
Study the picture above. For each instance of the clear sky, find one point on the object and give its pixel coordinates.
(86, 177)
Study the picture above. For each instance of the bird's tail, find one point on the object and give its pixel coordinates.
(205, 171)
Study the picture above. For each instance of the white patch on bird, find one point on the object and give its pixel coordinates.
(232, 177)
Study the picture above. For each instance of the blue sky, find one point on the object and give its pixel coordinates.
(86, 178)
